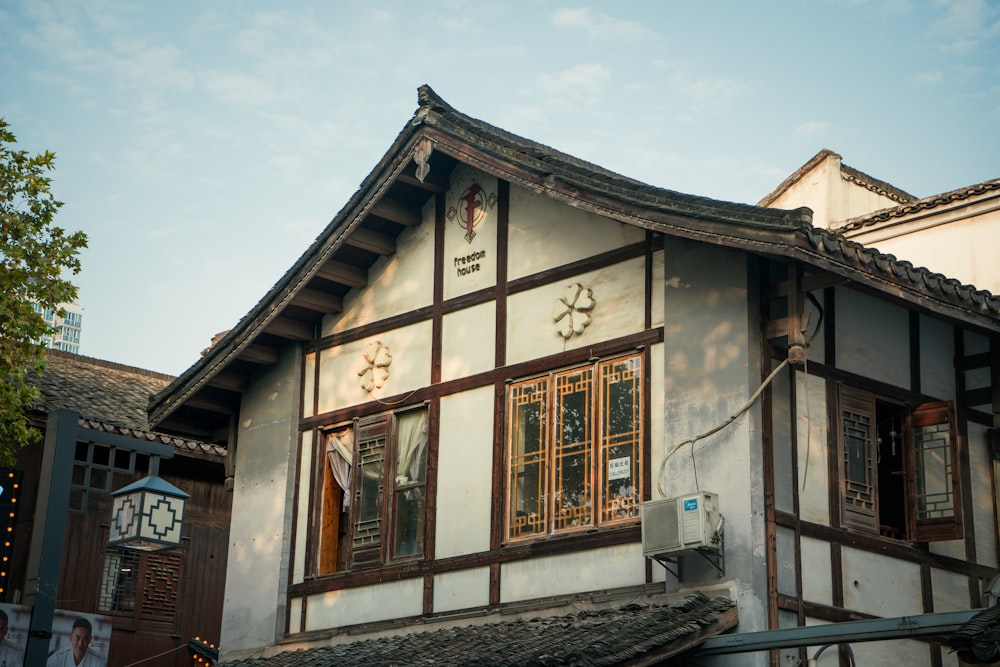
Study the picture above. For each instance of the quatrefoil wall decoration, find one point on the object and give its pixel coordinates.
(374, 367)
(571, 311)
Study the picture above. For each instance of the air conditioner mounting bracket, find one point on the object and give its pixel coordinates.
(715, 557)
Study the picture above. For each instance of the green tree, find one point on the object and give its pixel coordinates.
(35, 255)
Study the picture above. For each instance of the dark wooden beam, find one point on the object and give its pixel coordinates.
(397, 211)
(202, 402)
(189, 428)
(435, 181)
(229, 381)
(260, 354)
(980, 396)
(288, 328)
(322, 302)
(345, 274)
(372, 241)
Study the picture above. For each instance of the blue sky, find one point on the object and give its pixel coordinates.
(203, 145)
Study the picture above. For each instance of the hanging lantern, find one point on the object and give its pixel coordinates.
(147, 515)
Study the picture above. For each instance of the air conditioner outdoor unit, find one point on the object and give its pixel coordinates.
(672, 526)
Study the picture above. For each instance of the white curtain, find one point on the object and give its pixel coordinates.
(340, 454)
(411, 447)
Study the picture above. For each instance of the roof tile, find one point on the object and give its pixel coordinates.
(604, 637)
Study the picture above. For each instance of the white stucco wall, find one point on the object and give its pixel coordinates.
(465, 473)
(981, 466)
(593, 570)
(937, 350)
(260, 530)
(618, 292)
(813, 448)
(340, 384)
(873, 338)
(468, 341)
(817, 573)
(305, 475)
(832, 199)
(365, 604)
(469, 265)
(462, 589)
(879, 585)
(709, 373)
(958, 243)
(545, 233)
(398, 283)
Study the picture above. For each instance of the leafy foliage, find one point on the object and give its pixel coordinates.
(34, 257)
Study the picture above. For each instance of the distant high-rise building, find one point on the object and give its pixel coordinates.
(67, 328)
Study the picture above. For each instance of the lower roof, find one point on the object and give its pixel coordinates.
(631, 635)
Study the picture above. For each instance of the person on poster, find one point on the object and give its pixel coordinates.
(10, 655)
(79, 653)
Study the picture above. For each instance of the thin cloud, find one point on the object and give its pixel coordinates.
(928, 78)
(812, 128)
(598, 26)
(967, 24)
(581, 82)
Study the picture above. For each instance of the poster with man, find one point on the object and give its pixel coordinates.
(14, 622)
(79, 640)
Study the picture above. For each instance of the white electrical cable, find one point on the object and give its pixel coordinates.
(734, 417)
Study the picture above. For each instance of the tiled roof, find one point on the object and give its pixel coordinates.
(786, 233)
(873, 184)
(917, 280)
(110, 397)
(924, 204)
(598, 637)
(978, 641)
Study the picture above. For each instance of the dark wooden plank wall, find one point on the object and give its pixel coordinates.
(203, 572)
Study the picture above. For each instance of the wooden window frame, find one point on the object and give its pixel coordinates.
(346, 541)
(599, 506)
(861, 507)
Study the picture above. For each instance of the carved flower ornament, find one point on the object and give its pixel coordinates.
(374, 367)
(571, 311)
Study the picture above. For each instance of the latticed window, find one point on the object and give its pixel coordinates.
(143, 585)
(575, 448)
(373, 484)
(899, 468)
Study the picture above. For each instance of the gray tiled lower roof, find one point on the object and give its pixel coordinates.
(110, 397)
(605, 637)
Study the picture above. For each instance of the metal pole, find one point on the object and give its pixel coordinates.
(869, 630)
(49, 531)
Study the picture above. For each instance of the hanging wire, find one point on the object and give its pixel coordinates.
(713, 431)
(753, 399)
(158, 655)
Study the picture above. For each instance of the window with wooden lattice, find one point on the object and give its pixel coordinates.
(373, 485)
(575, 441)
(899, 467)
(143, 585)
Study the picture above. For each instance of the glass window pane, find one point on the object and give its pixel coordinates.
(573, 450)
(933, 471)
(621, 438)
(527, 458)
(858, 464)
(411, 473)
(367, 524)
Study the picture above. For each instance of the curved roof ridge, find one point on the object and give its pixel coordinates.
(555, 164)
(875, 185)
(927, 203)
(890, 266)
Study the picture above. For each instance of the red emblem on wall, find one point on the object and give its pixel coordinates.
(471, 209)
